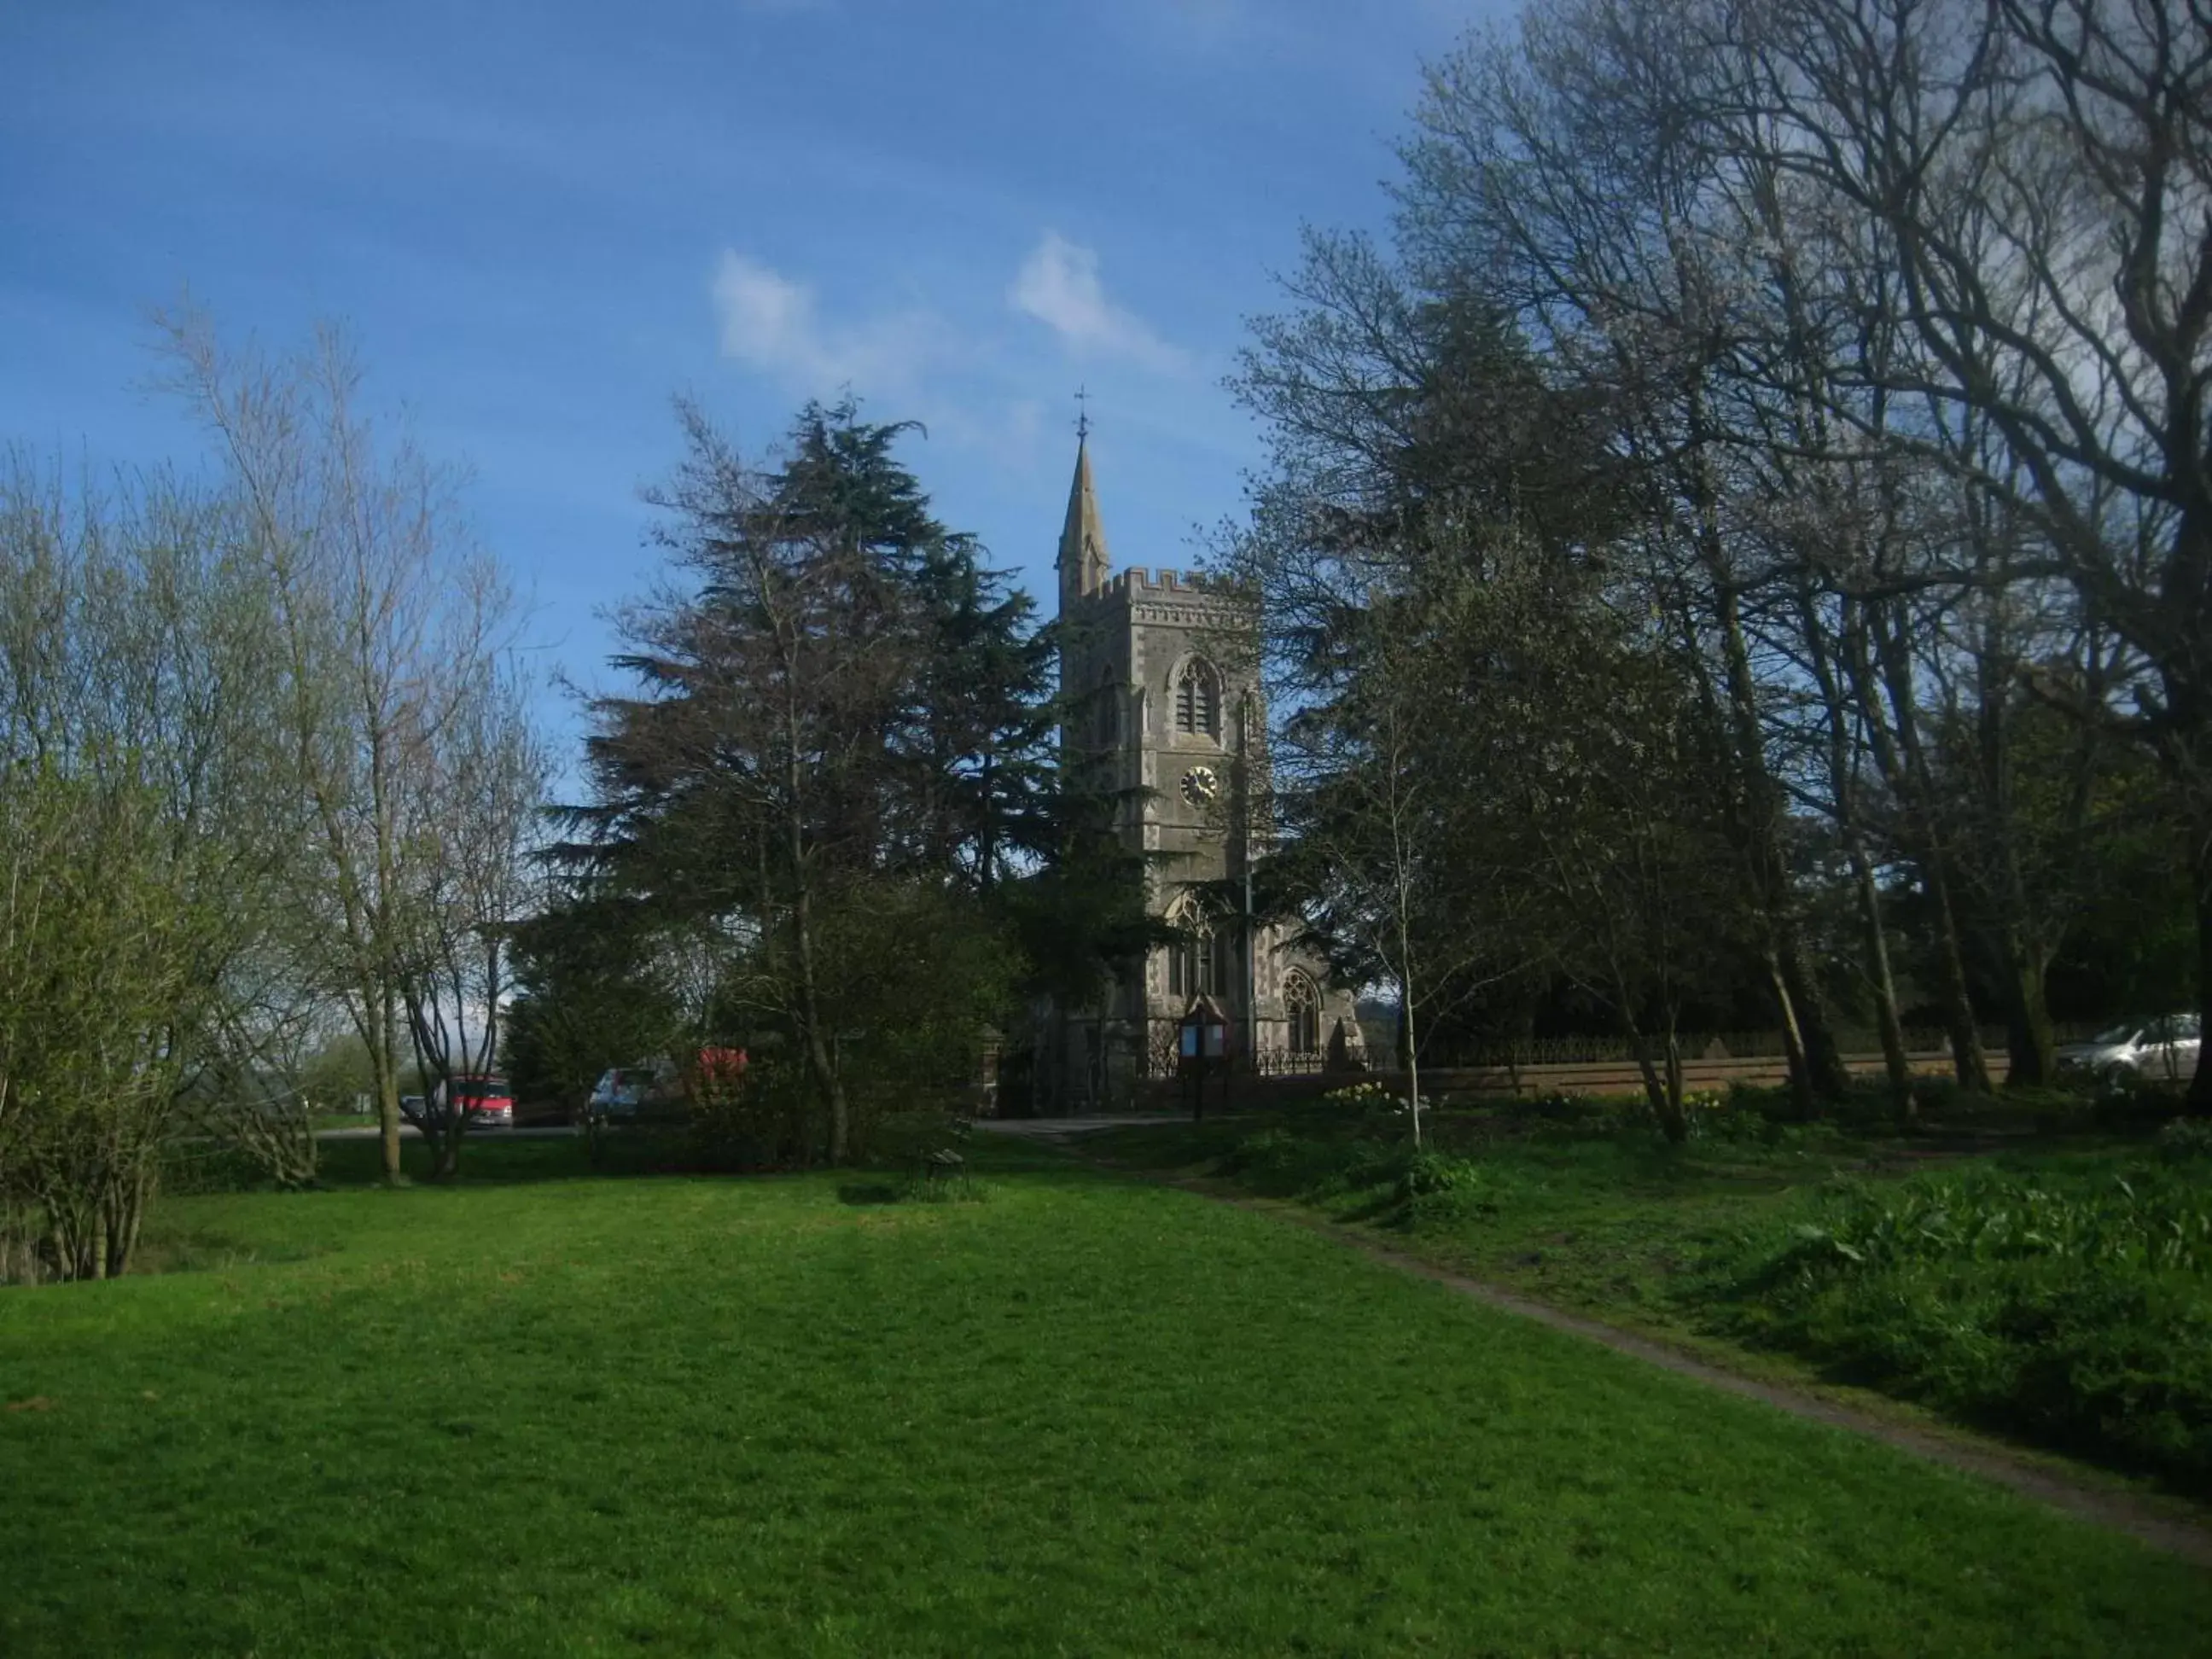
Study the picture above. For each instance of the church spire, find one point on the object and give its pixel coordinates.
(1083, 562)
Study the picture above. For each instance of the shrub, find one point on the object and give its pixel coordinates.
(1983, 1215)
(2126, 1099)
(1269, 1151)
(2185, 1140)
(1424, 1173)
(1382, 1176)
(1732, 1116)
(2079, 1313)
(766, 1121)
(1434, 1189)
(909, 1139)
(1559, 1116)
(1364, 1097)
(956, 1188)
(211, 1166)
(1558, 1103)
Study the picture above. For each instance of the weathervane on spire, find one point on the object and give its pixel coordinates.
(1082, 414)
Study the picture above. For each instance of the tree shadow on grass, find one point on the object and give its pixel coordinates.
(486, 1160)
(490, 1160)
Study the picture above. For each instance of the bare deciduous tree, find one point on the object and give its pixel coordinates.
(472, 882)
(386, 620)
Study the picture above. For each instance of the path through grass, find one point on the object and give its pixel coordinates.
(574, 1415)
(2056, 1289)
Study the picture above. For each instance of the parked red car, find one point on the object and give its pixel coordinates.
(484, 1100)
(719, 1070)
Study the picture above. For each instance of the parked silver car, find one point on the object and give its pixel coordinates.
(2163, 1050)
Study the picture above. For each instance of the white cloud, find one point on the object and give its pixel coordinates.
(770, 323)
(1058, 284)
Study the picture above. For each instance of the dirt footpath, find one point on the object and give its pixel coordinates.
(2166, 1527)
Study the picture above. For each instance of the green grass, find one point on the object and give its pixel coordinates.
(2066, 1300)
(1568, 1211)
(546, 1412)
(2057, 1289)
(343, 1120)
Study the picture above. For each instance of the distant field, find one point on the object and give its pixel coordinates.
(561, 1413)
(343, 1120)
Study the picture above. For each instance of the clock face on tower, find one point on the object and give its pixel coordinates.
(1200, 786)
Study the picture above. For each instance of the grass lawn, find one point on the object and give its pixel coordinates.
(554, 1413)
(1603, 1222)
(2053, 1287)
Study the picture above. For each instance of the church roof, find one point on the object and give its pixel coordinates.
(1083, 539)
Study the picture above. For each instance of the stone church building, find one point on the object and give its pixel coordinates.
(1157, 674)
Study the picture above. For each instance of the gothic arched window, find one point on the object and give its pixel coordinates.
(1197, 698)
(1108, 710)
(1302, 1002)
(1202, 962)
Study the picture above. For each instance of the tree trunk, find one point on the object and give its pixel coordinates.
(1842, 790)
(119, 1226)
(1897, 1066)
(1413, 1055)
(827, 1075)
(1830, 1078)
(1968, 1063)
(2029, 1048)
(446, 1143)
(386, 1073)
(1662, 1089)
(1898, 752)
(2200, 1087)
(1678, 1116)
(1816, 1069)
(1793, 1040)
(2028, 1056)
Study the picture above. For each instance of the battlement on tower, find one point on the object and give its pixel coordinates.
(1136, 582)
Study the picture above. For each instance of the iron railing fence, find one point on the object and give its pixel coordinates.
(1280, 1062)
(1602, 1051)
(1703, 1045)
(1160, 1057)
(1698, 1045)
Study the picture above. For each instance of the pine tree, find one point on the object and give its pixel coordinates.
(839, 734)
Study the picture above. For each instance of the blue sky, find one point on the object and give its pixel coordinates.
(542, 219)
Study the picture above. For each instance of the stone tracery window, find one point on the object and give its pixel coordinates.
(1202, 962)
(1197, 698)
(1302, 1002)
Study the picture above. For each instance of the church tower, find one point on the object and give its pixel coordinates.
(1157, 677)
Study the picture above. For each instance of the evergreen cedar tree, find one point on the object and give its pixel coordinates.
(843, 729)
